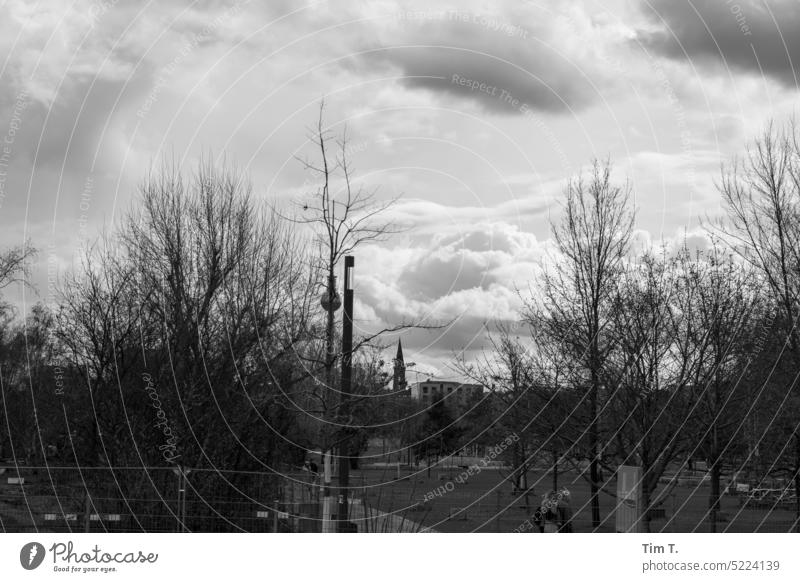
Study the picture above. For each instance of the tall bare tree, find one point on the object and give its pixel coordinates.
(724, 304)
(223, 281)
(653, 370)
(592, 238)
(343, 216)
(200, 302)
(761, 198)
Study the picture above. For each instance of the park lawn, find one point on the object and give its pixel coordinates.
(484, 503)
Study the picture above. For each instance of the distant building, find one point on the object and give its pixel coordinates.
(455, 395)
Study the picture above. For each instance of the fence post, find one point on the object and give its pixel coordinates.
(182, 474)
(497, 513)
(87, 513)
(290, 510)
(184, 487)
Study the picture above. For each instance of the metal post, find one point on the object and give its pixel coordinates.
(182, 473)
(177, 470)
(326, 492)
(183, 501)
(330, 302)
(347, 376)
(87, 513)
(497, 513)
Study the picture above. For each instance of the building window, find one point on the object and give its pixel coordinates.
(424, 389)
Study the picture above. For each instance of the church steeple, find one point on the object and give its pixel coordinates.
(399, 381)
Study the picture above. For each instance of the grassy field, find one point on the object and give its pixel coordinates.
(437, 500)
(484, 503)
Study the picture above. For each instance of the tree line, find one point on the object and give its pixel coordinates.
(661, 357)
(193, 334)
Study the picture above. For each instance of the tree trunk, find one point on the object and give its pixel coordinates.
(645, 505)
(517, 462)
(594, 445)
(713, 500)
(525, 484)
(555, 471)
(797, 484)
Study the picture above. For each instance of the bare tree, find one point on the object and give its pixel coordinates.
(559, 421)
(343, 216)
(761, 197)
(13, 264)
(724, 301)
(224, 282)
(199, 300)
(97, 330)
(592, 238)
(652, 371)
(13, 269)
(31, 417)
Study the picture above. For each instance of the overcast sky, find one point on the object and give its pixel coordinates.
(474, 113)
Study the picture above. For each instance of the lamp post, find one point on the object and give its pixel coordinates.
(347, 375)
(330, 302)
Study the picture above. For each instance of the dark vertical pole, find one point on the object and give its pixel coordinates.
(87, 513)
(498, 504)
(330, 353)
(555, 471)
(347, 376)
(178, 470)
(183, 473)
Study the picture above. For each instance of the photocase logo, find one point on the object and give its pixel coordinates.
(31, 555)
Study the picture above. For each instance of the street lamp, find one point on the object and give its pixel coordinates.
(347, 378)
(330, 301)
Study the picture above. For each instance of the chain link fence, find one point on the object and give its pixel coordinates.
(172, 499)
(145, 499)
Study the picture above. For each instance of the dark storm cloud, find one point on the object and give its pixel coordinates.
(504, 73)
(746, 35)
(497, 83)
